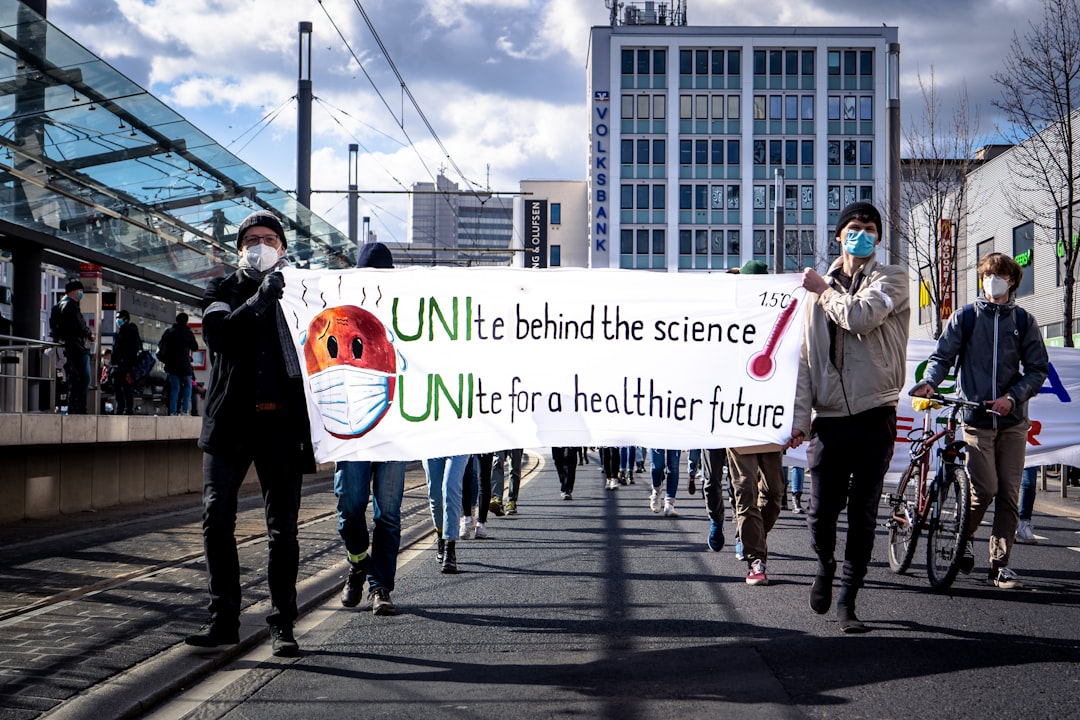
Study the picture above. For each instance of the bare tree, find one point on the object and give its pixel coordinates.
(1040, 86)
(934, 195)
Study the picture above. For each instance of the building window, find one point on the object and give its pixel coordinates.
(717, 107)
(659, 109)
(866, 108)
(733, 107)
(849, 62)
(626, 199)
(658, 197)
(701, 107)
(686, 197)
(686, 152)
(686, 107)
(759, 62)
(807, 62)
(791, 152)
(834, 107)
(834, 62)
(701, 152)
(717, 154)
(776, 58)
(556, 256)
(1024, 254)
(643, 152)
(643, 62)
(807, 152)
(659, 154)
(659, 61)
(701, 62)
(759, 152)
(556, 214)
(627, 62)
(776, 107)
(717, 62)
(643, 197)
(791, 62)
(791, 107)
(733, 63)
(643, 107)
(807, 107)
(701, 197)
(866, 62)
(733, 152)
(866, 152)
(686, 62)
(759, 107)
(627, 107)
(626, 150)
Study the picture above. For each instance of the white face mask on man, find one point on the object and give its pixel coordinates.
(995, 286)
(260, 257)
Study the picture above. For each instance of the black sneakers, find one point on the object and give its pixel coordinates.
(282, 642)
(967, 559)
(214, 634)
(449, 559)
(354, 586)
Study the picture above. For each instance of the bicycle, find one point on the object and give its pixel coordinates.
(939, 502)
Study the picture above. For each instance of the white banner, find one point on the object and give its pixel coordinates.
(424, 362)
(1054, 436)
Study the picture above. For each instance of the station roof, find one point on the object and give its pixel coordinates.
(108, 171)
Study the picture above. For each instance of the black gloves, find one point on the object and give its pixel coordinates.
(271, 290)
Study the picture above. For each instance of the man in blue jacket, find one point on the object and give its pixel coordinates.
(255, 413)
(1002, 364)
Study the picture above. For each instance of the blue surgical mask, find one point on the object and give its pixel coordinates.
(119, 322)
(859, 243)
(78, 294)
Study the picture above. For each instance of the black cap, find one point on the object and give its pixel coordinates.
(374, 255)
(73, 285)
(863, 211)
(261, 218)
(124, 314)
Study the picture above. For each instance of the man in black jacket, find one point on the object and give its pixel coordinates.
(255, 413)
(126, 347)
(77, 338)
(174, 350)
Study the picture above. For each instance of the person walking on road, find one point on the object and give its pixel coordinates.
(445, 476)
(665, 480)
(566, 461)
(1002, 362)
(255, 412)
(851, 370)
(371, 556)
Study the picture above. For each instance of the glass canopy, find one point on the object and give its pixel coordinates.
(92, 159)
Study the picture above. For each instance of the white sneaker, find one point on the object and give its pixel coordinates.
(1004, 578)
(654, 501)
(669, 508)
(1025, 534)
(467, 527)
(756, 575)
(611, 484)
(480, 532)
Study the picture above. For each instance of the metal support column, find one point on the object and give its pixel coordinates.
(354, 195)
(778, 222)
(303, 122)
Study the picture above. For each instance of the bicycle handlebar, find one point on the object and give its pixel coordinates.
(950, 401)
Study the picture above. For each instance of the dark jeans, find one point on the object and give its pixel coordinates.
(124, 393)
(355, 482)
(476, 486)
(78, 381)
(280, 479)
(566, 459)
(498, 475)
(713, 488)
(848, 458)
(609, 459)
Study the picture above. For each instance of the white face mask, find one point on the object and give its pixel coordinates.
(351, 400)
(996, 286)
(260, 257)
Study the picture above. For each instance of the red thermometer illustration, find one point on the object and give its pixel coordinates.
(762, 365)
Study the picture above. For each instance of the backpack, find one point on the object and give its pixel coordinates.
(55, 319)
(144, 363)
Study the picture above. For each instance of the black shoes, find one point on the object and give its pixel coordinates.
(967, 558)
(354, 586)
(449, 558)
(845, 613)
(214, 634)
(440, 552)
(381, 603)
(821, 590)
(282, 642)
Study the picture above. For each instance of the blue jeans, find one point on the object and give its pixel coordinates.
(627, 458)
(1027, 492)
(384, 483)
(179, 394)
(798, 476)
(665, 462)
(444, 477)
(693, 463)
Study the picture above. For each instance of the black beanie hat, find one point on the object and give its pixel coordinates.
(374, 255)
(262, 218)
(862, 211)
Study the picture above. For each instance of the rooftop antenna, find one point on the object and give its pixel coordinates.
(614, 6)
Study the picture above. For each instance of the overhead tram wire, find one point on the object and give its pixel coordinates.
(265, 121)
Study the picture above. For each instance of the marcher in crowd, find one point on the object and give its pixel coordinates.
(77, 339)
(798, 476)
(566, 460)
(851, 370)
(498, 481)
(665, 480)
(126, 348)
(693, 470)
(1025, 533)
(174, 350)
(713, 491)
(370, 556)
(609, 467)
(1002, 363)
(255, 412)
(444, 478)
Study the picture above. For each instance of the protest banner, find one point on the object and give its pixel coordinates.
(425, 362)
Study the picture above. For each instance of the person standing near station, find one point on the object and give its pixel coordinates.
(126, 347)
(255, 412)
(71, 330)
(174, 351)
(851, 370)
(1002, 363)
(371, 556)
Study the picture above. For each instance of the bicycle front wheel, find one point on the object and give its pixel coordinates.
(947, 528)
(904, 523)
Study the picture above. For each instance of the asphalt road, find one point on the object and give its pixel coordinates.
(599, 608)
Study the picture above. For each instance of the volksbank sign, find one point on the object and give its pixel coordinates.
(601, 131)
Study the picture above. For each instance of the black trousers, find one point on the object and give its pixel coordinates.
(848, 458)
(481, 464)
(280, 479)
(713, 488)
(566, 459)
(609, 458)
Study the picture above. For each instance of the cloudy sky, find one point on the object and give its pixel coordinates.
(502, 82)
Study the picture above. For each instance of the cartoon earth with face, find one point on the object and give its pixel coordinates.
(351, 367)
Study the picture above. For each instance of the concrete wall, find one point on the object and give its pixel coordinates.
(52, 464)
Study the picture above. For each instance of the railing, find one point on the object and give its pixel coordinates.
(30, 380)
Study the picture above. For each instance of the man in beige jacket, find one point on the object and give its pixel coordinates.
(851, 371)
